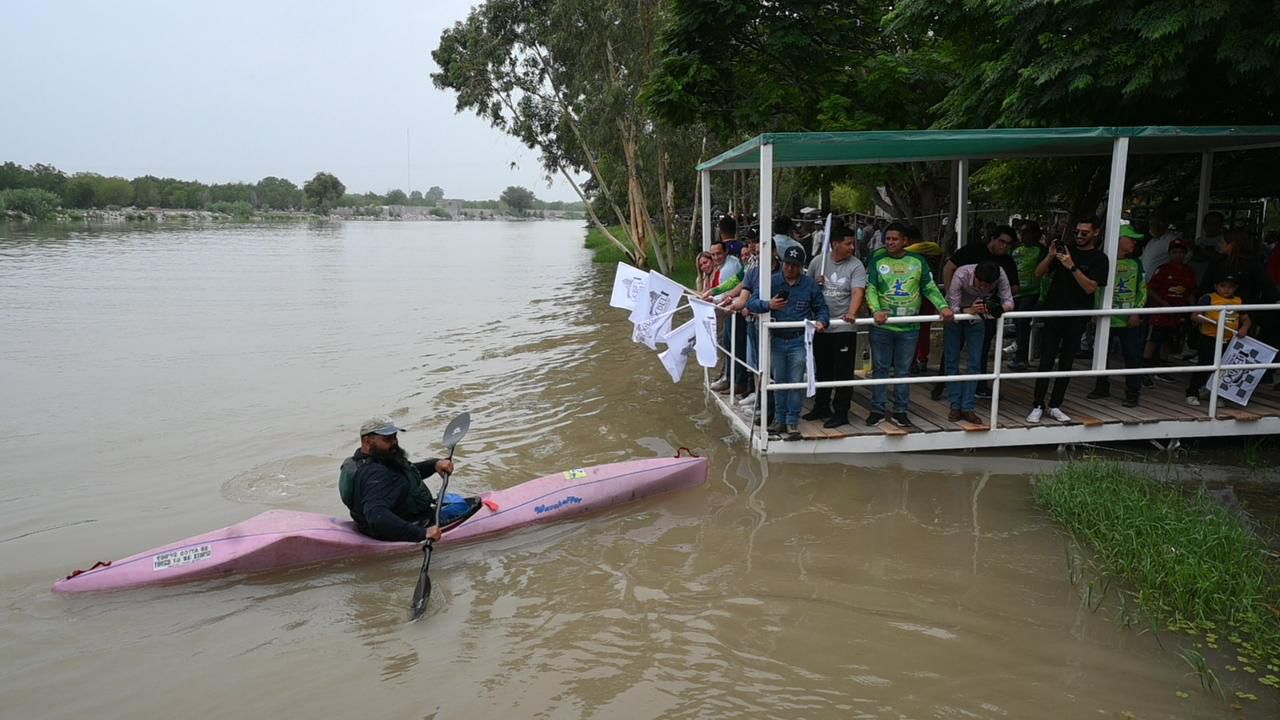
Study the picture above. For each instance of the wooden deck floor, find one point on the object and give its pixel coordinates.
(1164, 402)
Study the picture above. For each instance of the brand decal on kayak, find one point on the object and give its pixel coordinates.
(567, 501)
(574, 474)
(182, 556)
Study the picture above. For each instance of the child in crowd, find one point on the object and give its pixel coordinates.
(1126, 330)
(1237, 325)
(1172, 285)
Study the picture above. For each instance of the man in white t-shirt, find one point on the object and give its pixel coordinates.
(1156, 251)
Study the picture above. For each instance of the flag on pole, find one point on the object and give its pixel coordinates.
(628, 282)
(658, 295)
(826, 244)
(1238, 385)
(650, 331)
(809, 328)
(704, 317)
(680, 344)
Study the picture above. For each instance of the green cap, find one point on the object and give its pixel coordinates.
(1130, 231)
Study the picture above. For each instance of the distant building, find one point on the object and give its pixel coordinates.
(454, 207)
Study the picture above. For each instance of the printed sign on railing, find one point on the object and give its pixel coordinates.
(1238, 385)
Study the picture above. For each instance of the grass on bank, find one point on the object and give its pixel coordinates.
(1190, 562)
(605, 252)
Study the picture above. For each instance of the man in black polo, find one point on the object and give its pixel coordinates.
(1075, 272)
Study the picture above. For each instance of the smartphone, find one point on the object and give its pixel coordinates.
(784, 293)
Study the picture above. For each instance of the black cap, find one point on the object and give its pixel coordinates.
(794, 255)
(1228, 277)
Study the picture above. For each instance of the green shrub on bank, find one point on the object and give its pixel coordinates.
(33, 202)
(239, 209)
(606, 253)
(1189, 561)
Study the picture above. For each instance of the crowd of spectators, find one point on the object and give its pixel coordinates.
(886, 269)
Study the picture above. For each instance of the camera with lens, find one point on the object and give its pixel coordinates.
(994, 307)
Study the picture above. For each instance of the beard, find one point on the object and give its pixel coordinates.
(395, 456)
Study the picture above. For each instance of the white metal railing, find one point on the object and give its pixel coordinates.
(762, 388)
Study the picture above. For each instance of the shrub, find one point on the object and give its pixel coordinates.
(32, 202)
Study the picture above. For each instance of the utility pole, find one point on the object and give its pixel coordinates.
(408, 165)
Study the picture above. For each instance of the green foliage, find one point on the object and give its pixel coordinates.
(323, 192)
(434, 195)
(1096, 62)
(278, 194)
(32, 202)
(849, 198)
(239, 209)
(1189, 560)
(397, 197)
(519, 199)
(439, 212)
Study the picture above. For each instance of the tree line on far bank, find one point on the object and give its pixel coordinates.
(40, 190)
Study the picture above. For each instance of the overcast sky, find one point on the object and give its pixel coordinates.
(236, 91)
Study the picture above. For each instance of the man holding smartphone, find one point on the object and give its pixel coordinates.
(796, 297)
(1074, 272)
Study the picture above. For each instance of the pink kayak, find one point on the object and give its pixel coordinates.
(285, 538)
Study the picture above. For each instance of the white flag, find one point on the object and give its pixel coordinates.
(1238, 385)
(680, 344)
(809, 329)
(627, 285)
(658, 295)
(826, 246)
(650, 331)
(704, 318)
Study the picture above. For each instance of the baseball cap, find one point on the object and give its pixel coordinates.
(1130, 231)
(1177, 245)
(794, 254)
(1228, 277)
(379, 426)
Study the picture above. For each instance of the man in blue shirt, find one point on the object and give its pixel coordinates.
(796, 297)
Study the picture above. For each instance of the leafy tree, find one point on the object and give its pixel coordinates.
(232, 193)
(323, 192)
(32, 202)
(415, 197)
(519, 199)
(397, 197)
(112, 192)
(278, 194)
(565, 77)
(80, 190)
(435, 195)
(148, 191)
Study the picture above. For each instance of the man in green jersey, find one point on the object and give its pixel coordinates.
(896, 280)
(1027, 255)
(1126, 330)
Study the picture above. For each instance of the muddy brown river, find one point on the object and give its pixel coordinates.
(158, 383)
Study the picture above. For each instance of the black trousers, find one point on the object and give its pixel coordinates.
(833, 359)
(1059, 340)
(744, 379)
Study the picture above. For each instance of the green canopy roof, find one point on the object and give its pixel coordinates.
(865, 148)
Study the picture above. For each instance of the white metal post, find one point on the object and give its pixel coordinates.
(1111, 246)
(1202, 205)
(766, 272)
(962, 203)
(705, 178)
(1217, 360)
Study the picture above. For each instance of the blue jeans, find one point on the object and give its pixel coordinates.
(1022, 327)
(969, 336)
(890, 349)
(787, 361)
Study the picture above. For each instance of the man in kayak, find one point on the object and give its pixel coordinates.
(384, 491)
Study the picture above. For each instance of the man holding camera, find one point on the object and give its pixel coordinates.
(1075, 273)
(982, 289)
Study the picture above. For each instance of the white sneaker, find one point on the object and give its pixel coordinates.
(1035, 415)
(748, 401)
(1193, 401)
(1058, 415)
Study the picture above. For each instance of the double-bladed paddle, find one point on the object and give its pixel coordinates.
(452, 436)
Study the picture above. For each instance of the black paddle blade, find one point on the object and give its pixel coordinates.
(423, 589)
(459, 427)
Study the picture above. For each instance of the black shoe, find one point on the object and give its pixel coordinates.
(937, 391)
(1098, 395)
(777, 428)
(817, 413)
(915, 367)
(836, 421)
(875, 418)
(901, 420)
(1147, 382)
(1130, 401)
(793, 436)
